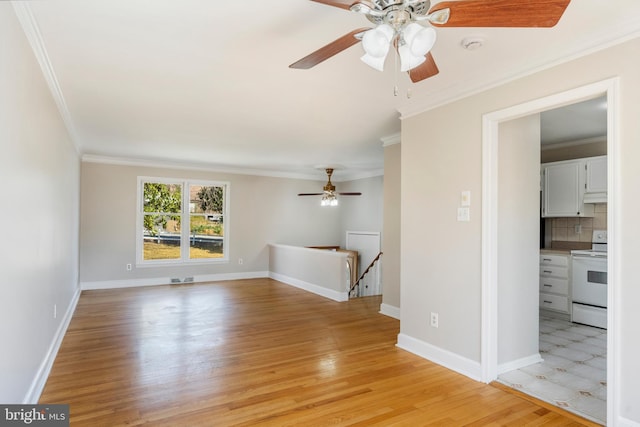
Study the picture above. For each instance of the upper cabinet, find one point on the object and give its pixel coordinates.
(596, 180)
(569, 187)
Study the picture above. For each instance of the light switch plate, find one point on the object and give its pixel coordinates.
(463, 214)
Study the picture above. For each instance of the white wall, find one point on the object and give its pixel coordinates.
(441, 155)
(361, 213)
(39, 168)
(391, 230)
(322, 272)
(518, 241)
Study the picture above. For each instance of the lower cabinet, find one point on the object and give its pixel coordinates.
(554, 282)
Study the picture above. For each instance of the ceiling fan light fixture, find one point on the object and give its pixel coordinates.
(375, 43)
(329, 199)
(408, 60)
(418, 38)
(373, 62)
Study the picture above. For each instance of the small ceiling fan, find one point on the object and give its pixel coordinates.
(407, 26)
(329, 194)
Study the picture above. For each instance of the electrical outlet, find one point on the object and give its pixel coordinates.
(129, 267)
(240, 261)
(434, 320)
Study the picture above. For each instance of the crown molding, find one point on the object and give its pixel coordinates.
(572, 143)
(391, 139)
(32, 32)
(201, 167)
(453, 94)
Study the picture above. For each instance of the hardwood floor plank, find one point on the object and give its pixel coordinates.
(258, 352)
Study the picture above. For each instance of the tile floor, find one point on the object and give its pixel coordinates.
(573, 374)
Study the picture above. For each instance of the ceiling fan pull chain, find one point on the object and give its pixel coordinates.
(395, 73)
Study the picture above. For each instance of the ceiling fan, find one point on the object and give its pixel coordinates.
(329, 194)
(407, 26)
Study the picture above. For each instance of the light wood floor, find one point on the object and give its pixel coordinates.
(258, 352)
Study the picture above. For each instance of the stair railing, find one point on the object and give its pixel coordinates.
(354, 291)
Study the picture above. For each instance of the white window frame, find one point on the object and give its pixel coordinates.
(185, 225)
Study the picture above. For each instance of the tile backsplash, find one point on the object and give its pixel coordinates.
(578, 229)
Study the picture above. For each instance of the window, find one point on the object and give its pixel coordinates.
(181, 221)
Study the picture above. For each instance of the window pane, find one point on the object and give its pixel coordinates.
(161, 236)
(206, 237)
(206, 205)
(162, 197)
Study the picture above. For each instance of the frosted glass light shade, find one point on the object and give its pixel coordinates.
(375, 43)
(374, 62)
(408, 60)
(419, 39)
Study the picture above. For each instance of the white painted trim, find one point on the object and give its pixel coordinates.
(37, 385)
(519, 363)
(439, 99)
(185, 218)
(341, 176)
(624, 422)
(453, 361)
(32, 32)
(158, 281)
(391, 139)
(390, 310)
(584, 141)
(310, 287)
(490, 123)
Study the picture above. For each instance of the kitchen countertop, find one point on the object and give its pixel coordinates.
(555, 251)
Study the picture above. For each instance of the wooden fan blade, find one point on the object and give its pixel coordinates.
(329, 50)
(502, 13)
(425, 70)
(310, 194)
(342, 4)
(350, 194)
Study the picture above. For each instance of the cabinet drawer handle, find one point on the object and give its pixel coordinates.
(548, 271)
(548, 286)
(548, 302)
(546, 259)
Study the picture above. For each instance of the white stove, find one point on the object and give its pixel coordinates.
(598, 245)
(589, 282)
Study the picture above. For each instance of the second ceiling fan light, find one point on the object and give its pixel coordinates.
(413, 40)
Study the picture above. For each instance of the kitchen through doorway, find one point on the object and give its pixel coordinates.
(507, 348)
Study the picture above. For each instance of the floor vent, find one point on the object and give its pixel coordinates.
(175, 280)
(188, 279)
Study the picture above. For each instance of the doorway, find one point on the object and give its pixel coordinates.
(492, 317)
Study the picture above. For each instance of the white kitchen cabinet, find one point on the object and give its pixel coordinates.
(554, 282)
(596, 180)
(563, 189)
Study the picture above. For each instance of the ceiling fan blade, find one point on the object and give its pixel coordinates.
(310, 194)
(425, 70)
(350, 194)
(502, 13)
(342, 4)
(329, 50)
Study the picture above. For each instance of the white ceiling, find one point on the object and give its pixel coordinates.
(207, 83)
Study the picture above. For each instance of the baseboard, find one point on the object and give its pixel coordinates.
(156, 281)
(390, 310)
(310, 287)
(37, 385)
(625, 422)
(453, 361)
(519, 363)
